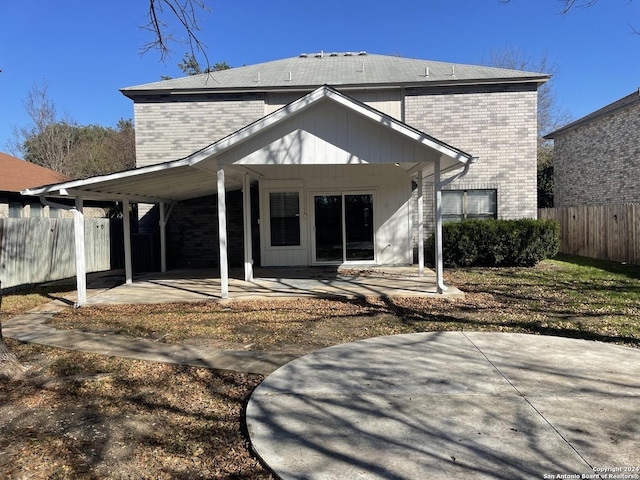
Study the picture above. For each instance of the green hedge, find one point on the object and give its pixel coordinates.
(497, 243)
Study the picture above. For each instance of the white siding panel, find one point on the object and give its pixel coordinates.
(326, 134)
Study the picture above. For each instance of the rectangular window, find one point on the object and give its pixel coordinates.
(469, 204)
(35, 210)
(15, 209)
(284, 212)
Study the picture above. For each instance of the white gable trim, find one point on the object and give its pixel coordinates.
(305, 102)
(130, 183)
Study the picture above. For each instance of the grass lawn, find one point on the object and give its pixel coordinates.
(573, 297)
(77, 415)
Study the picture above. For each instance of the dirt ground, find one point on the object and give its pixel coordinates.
(82, 416)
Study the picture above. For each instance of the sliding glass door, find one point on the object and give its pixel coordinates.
(343, 228)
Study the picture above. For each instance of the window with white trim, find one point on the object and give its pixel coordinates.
(284, 216)
(460, 205)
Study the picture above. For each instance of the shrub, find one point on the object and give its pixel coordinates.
(497, 243)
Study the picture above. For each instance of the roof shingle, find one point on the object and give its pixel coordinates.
(17, 175)
(337, 69)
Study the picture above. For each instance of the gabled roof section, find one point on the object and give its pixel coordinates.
(326, 92)
(345, 70)
(625, 102)
(19, 174)
(183, 179)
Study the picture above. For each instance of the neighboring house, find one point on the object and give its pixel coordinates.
(325, 159)
(596, 157)
(17, 175)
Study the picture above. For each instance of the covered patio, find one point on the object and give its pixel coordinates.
(193, 285)
(372, 154)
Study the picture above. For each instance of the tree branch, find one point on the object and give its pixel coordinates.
(186, 13)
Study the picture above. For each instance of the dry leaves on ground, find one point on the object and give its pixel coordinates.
(85, 416)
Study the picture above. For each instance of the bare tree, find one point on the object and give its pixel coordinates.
(567, 5)
(550, 114)
(162, 13)
(48, 139)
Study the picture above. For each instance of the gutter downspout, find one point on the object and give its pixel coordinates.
(438, 184)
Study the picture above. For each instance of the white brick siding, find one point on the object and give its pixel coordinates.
(499, 127)
(172, 129)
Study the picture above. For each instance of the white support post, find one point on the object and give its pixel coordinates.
(163, 237)
(246, 217)
(420, 225)
(81, 268)
(222, 236)
(437, 186)
(128, 269)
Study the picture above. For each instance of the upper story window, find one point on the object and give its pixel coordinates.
(469, 204)
(284, 213)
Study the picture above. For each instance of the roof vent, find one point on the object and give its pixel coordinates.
(320, 55)
(303, 55)
(362, 52)
(347, 54)
(333, 54)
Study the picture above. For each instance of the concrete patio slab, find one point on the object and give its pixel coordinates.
(437, 405)
(204, 285)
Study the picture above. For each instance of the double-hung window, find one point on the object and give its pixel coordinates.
(284, 213)
(469, 204)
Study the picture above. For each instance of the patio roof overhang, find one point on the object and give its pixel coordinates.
(249, 152)
(183, 179)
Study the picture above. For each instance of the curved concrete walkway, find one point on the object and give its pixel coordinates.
(451, 405)
(30, 327)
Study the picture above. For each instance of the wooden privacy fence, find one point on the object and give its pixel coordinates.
(36, 250)
(608, 232)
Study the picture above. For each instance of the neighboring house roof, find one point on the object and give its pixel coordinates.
(338, 69)
(183, 179)
(625, 102)
(19, 174)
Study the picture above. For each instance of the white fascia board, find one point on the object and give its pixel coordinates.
(61, 189)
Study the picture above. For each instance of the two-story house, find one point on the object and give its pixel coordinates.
(326, 158)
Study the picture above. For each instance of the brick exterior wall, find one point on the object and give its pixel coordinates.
(170, 129)
(597, 163)
(498, 125)
(192, 233)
